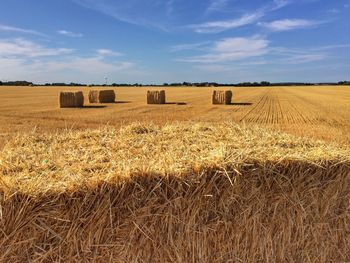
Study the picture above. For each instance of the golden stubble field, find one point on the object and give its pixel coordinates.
(320, 112)
(213, 184)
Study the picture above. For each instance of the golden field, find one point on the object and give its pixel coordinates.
(266, 179)
(320, 112)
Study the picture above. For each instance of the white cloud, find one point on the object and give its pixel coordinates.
(216, 5)
(69, 69)
(69, 33)
(213, 68)
(255, 51)
(286, 56)
(151, 13)
(88, 65)
(220, 68)
(193, 46)
(246, 19)
(232, 49)
(289, 24)
(279, 4)
(6, 28)
(330, 47)
(25, 48)
(306, 58)
(219, 26)
(107, 52)
(24, 59)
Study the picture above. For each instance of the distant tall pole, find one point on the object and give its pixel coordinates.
(106, 78)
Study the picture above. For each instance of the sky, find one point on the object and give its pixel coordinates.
(158, 41)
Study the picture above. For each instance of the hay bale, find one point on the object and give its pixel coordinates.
(101, 96)
(156, 97)
(71, 99)
(106, 96)
(93, 96)
(222, 97)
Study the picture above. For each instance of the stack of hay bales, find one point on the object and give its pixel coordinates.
(222, 97)
(71, 99)
(156, 97)
(101, 96)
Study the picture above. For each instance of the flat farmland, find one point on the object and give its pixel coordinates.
(319, 112)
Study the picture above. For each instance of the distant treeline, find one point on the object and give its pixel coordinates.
(16, 83)
(186, 84)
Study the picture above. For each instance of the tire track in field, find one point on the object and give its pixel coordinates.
(268, 109)
(277, 106)
(260, 104)
(308, 110)
(282, 118)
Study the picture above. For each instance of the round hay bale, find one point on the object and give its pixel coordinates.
(222, 97)
(71, 99)
(156, 97)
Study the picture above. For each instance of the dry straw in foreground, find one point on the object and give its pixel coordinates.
(71, 99)
(222, 97)
(191, 192)
(101, 96)
(156, 97)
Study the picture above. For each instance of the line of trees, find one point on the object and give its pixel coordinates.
(179, 84)
(16, 83)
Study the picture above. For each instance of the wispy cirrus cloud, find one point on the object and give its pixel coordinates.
(219, 26)
(305, 58)
(289, 24)
(107, 52)
(192, 46)
(304, 55)
(253, 51)
(232, 49)
(216, 5)
(25, 48)
(69, 33)
(277, 4)
(152, 13)
(246, 19)
(7, 28)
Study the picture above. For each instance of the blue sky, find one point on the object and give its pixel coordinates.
(156, 41)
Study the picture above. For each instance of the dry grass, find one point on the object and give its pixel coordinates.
(184, 192)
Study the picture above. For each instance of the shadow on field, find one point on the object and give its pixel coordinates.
(176, 103)
(89, 210)
(122, 102)
(241, 103)
(94, 107)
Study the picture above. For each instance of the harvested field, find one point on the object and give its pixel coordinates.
(183, 192)
(318, 112)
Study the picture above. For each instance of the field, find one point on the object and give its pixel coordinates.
(320, 112)
(182, 182)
